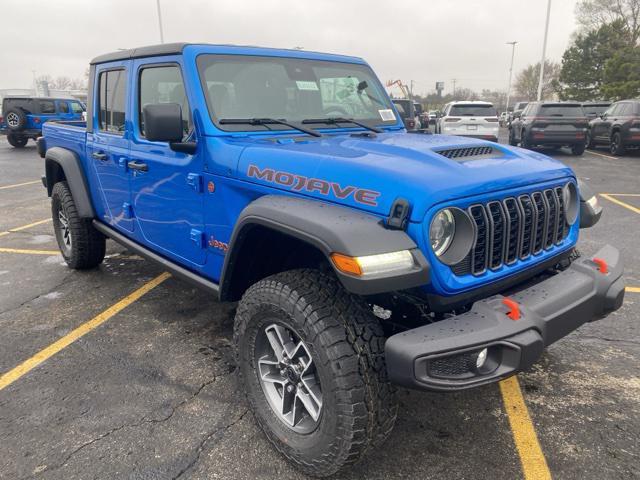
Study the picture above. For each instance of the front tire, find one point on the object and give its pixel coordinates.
(17, 141)
(81, 245)
(348, 406)
(617, 146)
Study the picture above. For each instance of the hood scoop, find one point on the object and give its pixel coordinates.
(470, 153)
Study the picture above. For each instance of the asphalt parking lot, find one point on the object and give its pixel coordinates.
(151, 391)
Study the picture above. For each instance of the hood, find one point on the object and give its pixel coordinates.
(370, 173)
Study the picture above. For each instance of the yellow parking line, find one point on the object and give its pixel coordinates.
(601, 155)
(29, 252)
(19, 184)
(633, 289)
(624, 194)
(619, 202)
(24, 227)
(534, 465)
(25, 367)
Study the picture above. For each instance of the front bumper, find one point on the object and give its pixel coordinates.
(442, 356)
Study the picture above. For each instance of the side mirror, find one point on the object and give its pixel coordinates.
(603, 115)
(162, 122)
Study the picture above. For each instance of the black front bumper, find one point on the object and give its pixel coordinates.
(442, 356)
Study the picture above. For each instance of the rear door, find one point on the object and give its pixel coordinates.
(168, 195)
(108, 144)
(46, 110)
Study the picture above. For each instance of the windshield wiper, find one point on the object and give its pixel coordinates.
(337, 120)
(267, 121)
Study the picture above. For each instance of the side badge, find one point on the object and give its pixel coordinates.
(218, 244)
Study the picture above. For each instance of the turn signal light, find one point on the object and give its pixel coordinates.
(390, 263)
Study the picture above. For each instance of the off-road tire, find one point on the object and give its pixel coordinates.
(347, 342)
(87, 245)
(617, 147)
(17, 141)
(578, 149)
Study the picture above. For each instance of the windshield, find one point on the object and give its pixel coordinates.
(291, 89)
(473, 110)
(561, 111)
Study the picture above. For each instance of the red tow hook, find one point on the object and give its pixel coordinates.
(602, 265)
(514, 308)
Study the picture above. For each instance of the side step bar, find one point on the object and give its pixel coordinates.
(168, 265)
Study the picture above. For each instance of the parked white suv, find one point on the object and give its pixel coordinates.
(469, 119)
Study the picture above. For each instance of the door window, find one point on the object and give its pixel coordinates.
(111, 102)
(77, 108)
(63, 107)
(163, 84)
(47, 107)
(624, 109)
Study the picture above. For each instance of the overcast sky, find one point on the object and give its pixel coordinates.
(423, 40)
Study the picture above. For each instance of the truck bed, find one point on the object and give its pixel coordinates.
(71, 135)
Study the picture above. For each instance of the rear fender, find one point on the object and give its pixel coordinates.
(62, 164)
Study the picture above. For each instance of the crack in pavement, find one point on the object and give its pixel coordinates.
(609, 339)
(142, 421)
(202, 444)
(52, 289)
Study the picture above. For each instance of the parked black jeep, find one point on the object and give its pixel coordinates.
(618, 127)
(552, 124)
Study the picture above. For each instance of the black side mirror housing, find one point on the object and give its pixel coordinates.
(163, 122)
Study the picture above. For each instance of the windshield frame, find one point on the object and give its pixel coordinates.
(275, 128)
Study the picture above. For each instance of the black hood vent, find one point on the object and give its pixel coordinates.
(470, 153)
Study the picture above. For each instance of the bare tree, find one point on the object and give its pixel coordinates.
(526, 84)
(592, 14)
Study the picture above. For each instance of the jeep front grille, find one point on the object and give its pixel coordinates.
(514, 228)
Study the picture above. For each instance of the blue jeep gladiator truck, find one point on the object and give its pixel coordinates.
(362, 257)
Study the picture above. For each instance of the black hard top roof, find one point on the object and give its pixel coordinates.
(150, 51)
(31, 97)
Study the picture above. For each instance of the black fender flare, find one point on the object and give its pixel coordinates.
(330, 228)
(69, 162)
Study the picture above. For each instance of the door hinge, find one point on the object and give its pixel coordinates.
(127, 210)
(195, 181)
(197, 237)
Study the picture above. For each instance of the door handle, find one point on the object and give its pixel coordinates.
(139, 166)
(99, 156)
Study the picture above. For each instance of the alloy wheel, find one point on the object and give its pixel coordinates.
(288, 377)
(13, 120)
(65, 231)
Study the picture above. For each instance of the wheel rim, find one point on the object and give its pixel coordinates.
(65, 232)
(12, 119)
(288, 377)
(614, 144)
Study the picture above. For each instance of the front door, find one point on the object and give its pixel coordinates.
(166, 186)
(108, 144)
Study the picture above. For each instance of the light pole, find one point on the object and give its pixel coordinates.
(160, 21)
(544, 51)
(513, 52)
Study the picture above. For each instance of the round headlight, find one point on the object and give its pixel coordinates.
(442, 230)
(571, 201)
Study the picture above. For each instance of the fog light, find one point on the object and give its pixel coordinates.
(481, 359)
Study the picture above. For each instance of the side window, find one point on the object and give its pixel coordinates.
(47, 106)
(63, 107)
(615, 109)
(112, 85)
(624, 109)
(163, 85)
(76, 107)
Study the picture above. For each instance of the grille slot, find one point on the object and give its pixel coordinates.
(514, 228)
(468, 152)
